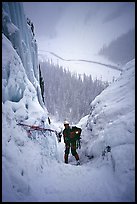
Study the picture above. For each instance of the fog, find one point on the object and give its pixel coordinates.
(79, 30)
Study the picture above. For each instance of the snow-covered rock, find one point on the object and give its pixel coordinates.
(22, 157)
(111, 122)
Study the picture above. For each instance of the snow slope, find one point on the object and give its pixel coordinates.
(33, 169)
(85, 65)
(111, 122)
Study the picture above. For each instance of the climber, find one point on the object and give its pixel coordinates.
(71, 135)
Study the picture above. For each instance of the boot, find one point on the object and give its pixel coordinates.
(76, 157)
(66, 158)
(78, 162)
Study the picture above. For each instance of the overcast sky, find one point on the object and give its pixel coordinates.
(79, 27)
(78, 30)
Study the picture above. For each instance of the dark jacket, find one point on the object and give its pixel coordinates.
(71, 134)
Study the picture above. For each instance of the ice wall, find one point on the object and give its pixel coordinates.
(21, 35)
(22, 102)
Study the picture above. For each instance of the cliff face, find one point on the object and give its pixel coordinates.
(20, 32)
(21, 102)
(111, 122)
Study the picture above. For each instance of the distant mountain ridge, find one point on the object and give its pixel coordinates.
(122, 49)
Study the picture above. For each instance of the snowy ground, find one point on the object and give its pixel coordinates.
(84, 183)
(33, 169)
(45, 179)
(95, 70)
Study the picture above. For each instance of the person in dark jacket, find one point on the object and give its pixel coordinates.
(71, 135)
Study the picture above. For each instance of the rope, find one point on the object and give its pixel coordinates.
(34, 128)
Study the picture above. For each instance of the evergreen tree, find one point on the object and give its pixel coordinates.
(68, 95)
